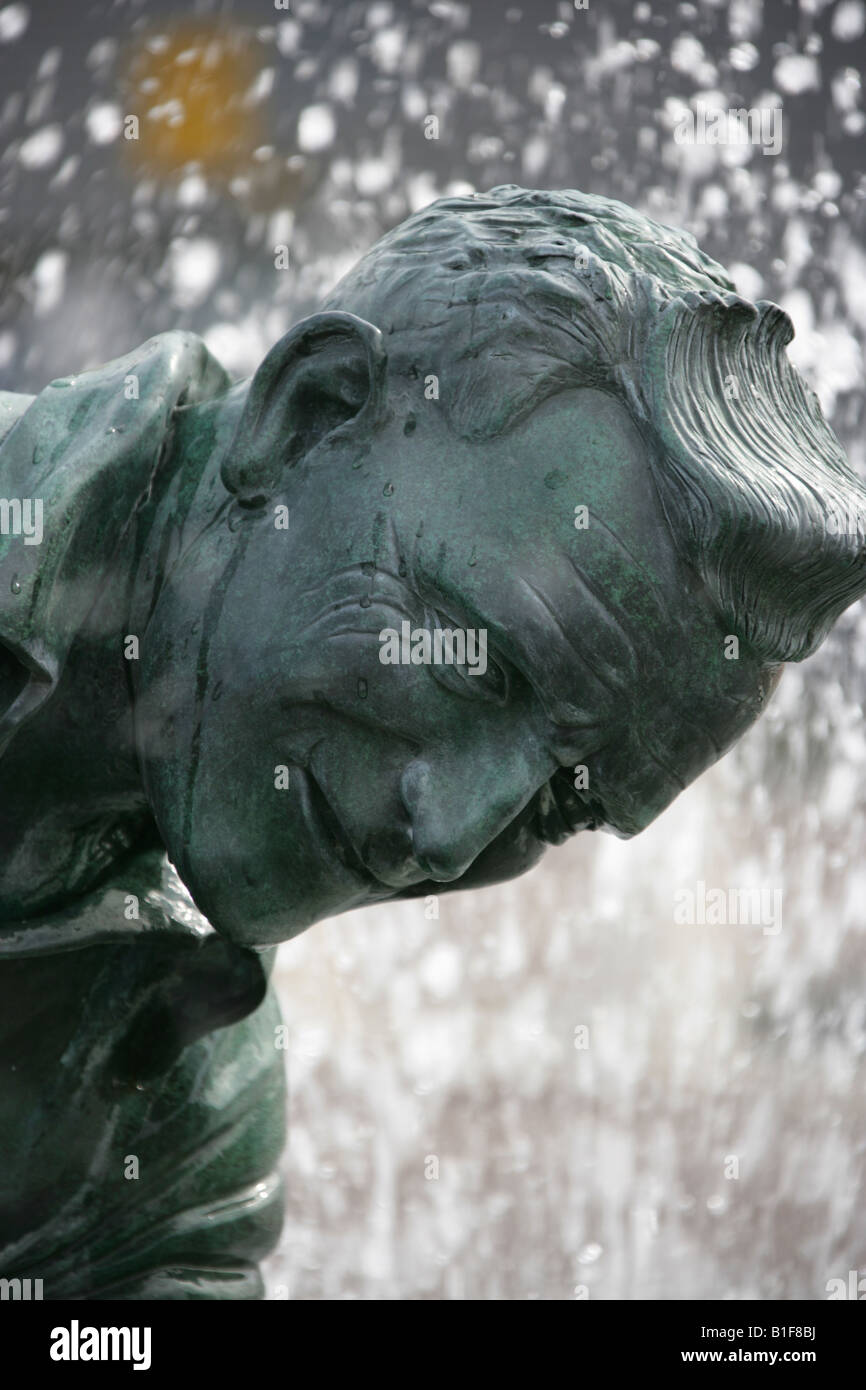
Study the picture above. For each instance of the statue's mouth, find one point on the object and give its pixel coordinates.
(386, 869)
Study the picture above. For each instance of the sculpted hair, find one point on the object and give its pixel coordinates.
(516, 295)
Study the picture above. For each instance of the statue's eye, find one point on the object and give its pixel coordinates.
(462, 663)
(491, 684)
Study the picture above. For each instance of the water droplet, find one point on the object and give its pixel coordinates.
(365, 601)
(589, 1254)
(217, 690)
(15, 586)
(388, 490)
(362, 688)
(473, 558)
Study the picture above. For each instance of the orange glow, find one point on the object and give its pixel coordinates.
(189, 87)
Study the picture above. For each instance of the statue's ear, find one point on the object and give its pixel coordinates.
(323, 379)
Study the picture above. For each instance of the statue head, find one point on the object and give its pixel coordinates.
(512, 540)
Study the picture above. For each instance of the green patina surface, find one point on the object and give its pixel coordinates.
(536, 415)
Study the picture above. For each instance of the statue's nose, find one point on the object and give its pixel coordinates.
(455, 815)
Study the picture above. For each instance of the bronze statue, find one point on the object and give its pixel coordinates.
(241, 631)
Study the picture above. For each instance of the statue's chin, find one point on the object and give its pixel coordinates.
(259, 914)
(297, 869)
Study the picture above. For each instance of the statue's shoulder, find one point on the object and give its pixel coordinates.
(166, 359)
(142, 898)
(78, 457)
(132, 395)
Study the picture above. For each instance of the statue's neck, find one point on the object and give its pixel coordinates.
(186, 493)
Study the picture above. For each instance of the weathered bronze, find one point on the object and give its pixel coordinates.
(536, 422)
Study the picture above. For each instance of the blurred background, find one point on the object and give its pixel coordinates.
(551, 1090)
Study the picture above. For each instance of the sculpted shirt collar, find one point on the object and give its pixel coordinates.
(86, 447)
